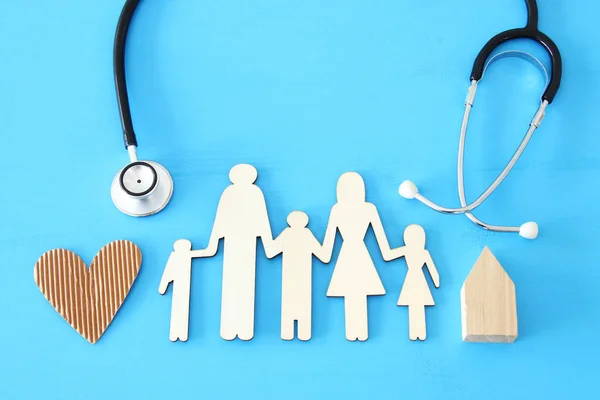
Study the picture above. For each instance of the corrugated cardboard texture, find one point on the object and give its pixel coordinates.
(88, 299)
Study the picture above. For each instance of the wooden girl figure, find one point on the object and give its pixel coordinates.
(415, 292)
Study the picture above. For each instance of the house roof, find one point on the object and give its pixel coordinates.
(486, 270)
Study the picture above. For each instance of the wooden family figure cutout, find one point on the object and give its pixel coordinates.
(354, 276)
(415, 291)
(179, 271)
(298, 245)
(241, 219)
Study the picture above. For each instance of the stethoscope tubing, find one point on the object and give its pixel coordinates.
(530, 31)
(129, 136)
(523, 33)
(465, 208)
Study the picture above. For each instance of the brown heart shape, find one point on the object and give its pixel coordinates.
(88, 299)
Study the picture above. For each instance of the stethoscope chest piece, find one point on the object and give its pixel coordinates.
(142, 188)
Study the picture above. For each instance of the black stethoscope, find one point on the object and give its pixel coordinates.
(528, 230)
(143, 187)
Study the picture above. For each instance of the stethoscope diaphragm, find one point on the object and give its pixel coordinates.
(138, 179)
(142, 188)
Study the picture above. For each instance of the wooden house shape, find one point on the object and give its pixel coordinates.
(488, 303)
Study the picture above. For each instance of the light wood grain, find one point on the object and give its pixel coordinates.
(178, 271)
(298, 245)
(355, 276)
(415, 292)
(241, 219)
(488, 303)
(88, 299)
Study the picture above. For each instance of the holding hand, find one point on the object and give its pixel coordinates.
(201, 253)
(272, 247)
(209, 251)
(393, 254)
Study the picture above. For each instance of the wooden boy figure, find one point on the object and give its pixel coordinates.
(179, 271)
(298, 244)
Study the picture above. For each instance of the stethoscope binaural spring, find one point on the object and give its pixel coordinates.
(141, 188)
(528, 230)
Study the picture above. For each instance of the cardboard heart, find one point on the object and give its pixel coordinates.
(88, 299)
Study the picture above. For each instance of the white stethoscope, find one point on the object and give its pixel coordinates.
(528, 230)
(143, 187)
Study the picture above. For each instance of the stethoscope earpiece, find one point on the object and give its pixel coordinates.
(529, 230)
(408, 190)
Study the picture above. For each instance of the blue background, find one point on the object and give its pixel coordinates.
(303, 90)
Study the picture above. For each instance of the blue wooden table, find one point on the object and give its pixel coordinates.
(304, 91)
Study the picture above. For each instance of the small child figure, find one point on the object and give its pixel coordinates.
(415, 292)
(298, 244)
(179, 271)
